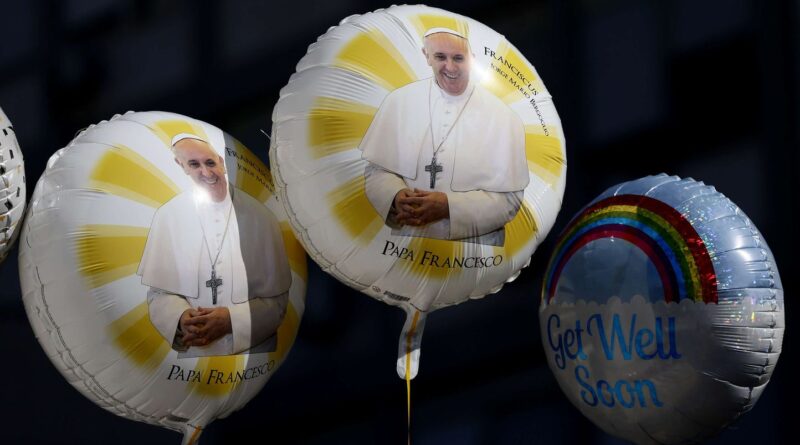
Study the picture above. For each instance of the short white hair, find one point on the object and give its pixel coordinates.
(444, 30)
(181, 136)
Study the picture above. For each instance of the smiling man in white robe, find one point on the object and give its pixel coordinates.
(446, 157)
(214, 262)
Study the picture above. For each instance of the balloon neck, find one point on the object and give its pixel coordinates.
(408, 349)
(191, 434)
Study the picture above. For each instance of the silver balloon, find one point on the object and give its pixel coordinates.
(12, 187)
(662, 312)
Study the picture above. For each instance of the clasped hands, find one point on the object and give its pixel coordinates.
(202, 326)
(419, 207)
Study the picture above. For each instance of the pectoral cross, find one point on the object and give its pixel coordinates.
(433, 168)
(214, 283)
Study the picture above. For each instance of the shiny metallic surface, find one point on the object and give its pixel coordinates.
(662, 315)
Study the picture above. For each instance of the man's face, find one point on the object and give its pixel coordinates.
(204, 166)
(449, 57)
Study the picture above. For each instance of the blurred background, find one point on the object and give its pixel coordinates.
(707, 89)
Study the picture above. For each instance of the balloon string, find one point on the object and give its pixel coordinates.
(408, 371)
(408, 400)
(195, 435)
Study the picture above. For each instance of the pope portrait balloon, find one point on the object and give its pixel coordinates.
(158, 271)
(420, 159)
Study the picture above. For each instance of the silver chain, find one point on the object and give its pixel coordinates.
(430, 115)
(224, 234)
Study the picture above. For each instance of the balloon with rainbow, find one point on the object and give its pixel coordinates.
(662, 311)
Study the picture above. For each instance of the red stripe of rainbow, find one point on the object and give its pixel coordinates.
(661, 232)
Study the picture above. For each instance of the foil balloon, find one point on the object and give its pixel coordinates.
(12, 193)
(420, 159)
(662, 312)
(158, 271)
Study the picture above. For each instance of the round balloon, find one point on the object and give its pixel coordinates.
(420, 158)
(662, 312)
(12, 191)
(158, 271)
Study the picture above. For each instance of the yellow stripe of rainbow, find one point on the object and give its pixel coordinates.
(668, 234)
(691, 267)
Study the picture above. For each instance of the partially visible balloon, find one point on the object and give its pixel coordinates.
(662, 312)
(12, 190)
(119, 238)
(353, 136)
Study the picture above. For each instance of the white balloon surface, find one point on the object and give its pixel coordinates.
(363, 97)
(87, 227)
(662, 313)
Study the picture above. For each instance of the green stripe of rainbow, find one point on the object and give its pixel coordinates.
(669, 240)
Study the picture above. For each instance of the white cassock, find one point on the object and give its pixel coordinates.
(482, 157)
(252, 264)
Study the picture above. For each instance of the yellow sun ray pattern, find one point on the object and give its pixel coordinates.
(336, 125)
(167, 129)
(107, 253)
(372, 55)
(138, 339)
(287, 332)
(219, 374)
(294, 251)
(424, 22)
(544, 153)
(517, 75)
(520, 231)
(123, 172)
(253, 176)
(354, 212)
(439, 251)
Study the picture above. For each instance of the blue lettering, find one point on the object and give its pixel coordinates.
(639, 384)
(587, 389)
(617, 336)
(569, 340)
(673, 351)
(581, 355)
(600, 384)
(642, 343)
(627, 392)
(558, 348)
(621, 395)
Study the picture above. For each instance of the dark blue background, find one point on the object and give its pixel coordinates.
(707, 89)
